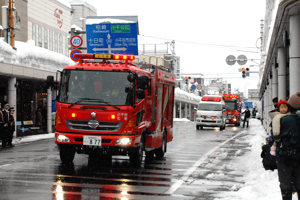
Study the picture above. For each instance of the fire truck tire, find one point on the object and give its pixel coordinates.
(197, 127)
(149, 154)
(160, 152)
(136, 156)
(67, 155)
(237, 124)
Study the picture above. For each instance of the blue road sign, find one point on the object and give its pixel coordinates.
(115, 38)
(72, 54)
(249, 104)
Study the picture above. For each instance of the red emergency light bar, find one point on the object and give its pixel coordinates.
(230, 96)
(103, 56)
(211, 99)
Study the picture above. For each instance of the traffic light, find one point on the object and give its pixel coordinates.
(244, 72)
(186, 80)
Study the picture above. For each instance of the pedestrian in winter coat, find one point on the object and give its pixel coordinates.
(1, 122)
(5, 129)
(247, 116)
(288, 150)
(11, 126)
(276, 115)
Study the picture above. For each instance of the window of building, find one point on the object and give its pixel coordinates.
(46, 38)
(34, 33)
(51, 40)
(55, 42)
(40, 37)
(61, 44)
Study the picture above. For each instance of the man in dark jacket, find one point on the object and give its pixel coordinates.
(288, 150)
(247, 116)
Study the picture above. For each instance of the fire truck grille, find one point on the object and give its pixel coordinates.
(103, 126)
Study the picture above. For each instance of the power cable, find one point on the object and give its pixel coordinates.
(198, 43)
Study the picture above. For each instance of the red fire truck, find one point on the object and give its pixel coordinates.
(107, 105)
(233, 109)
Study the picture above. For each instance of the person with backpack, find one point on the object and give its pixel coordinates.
(288, 150)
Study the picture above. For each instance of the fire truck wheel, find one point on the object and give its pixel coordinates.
(197, 127)
(237, 124)
(67, 155)
(160, 152)
(136, 156)
(149, 155)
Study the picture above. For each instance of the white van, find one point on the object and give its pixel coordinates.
(211, 112)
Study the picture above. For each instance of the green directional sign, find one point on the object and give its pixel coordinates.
(120, 28)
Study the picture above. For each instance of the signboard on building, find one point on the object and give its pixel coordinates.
(249, 104)
(117, 38)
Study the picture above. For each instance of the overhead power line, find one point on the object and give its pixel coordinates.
(204, 44)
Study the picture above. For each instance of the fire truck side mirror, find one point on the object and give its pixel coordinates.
(143, 82)
(131, 77)
(140, 93)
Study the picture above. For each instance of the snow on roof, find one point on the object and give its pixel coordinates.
(27, 54)
(186, 95)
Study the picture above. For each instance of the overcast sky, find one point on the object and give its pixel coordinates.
(194, 23)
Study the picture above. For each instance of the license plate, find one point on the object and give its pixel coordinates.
(92, 140)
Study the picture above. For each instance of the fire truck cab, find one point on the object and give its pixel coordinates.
(233, 109)
(107, 105)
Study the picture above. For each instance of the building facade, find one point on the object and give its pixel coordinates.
(23, 74)
(280, 56)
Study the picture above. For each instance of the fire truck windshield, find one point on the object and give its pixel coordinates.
(105, 85)
(231, 105)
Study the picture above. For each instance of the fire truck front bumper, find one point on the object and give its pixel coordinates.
(106, 144)
(231, 120)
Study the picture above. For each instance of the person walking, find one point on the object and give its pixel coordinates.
(11, 126)
(5, 129)
(288, 150)
(1, 123)
(247, 116)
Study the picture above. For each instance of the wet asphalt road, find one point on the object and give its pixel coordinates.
(196, 166)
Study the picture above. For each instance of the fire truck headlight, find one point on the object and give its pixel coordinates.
(124, 141)
(62, 138)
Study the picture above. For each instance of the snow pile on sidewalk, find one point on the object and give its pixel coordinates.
(259, 184)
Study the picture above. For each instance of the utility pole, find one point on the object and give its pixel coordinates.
(11, 23)
(173, 54)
